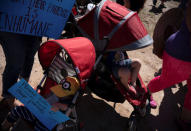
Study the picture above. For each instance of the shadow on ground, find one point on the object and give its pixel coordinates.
(97, 115)
(94, 114)
(169, 111)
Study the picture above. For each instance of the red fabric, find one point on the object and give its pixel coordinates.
(47, 52)
(82, 53)
(173, 71)
(132, 30)
(74, 11)
(80, 49)
(88, 18)
(47, 85)
(111, 14)
(130, 98)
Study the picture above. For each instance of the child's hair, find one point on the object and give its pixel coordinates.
(135, 5)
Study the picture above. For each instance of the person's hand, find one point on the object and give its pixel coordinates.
(59, 106)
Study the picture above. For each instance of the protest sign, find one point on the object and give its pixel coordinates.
(35, 17)
(37, 105)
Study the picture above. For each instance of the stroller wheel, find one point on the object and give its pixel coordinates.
(132, 124)
(143, 111)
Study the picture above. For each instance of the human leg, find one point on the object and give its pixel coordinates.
(135, 68)
(14, 51)
(32, 47)
(124, 75)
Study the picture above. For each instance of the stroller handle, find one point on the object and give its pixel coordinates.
(106, 38)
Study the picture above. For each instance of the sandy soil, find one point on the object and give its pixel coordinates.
(100, 115)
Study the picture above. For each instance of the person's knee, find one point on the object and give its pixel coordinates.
(136, 63)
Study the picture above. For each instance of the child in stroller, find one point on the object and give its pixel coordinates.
(124, 70)
(67, 64)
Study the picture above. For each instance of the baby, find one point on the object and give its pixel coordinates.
(126, 70)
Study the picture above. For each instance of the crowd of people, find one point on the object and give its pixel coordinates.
(173, 47)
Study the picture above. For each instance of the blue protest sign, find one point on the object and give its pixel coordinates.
(35, 17)
(37, 105)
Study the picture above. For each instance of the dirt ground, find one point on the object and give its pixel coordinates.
(100, 115)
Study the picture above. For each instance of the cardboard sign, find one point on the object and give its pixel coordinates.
(37, 105)
(35, 17)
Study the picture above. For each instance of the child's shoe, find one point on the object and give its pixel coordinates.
(153, 103)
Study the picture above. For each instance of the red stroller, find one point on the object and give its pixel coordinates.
(112, 27)
(64, 58)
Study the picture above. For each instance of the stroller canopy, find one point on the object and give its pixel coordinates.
(80, 50)
(122, 27)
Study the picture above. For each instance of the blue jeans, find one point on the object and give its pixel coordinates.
(19, 52)
(124, 63)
